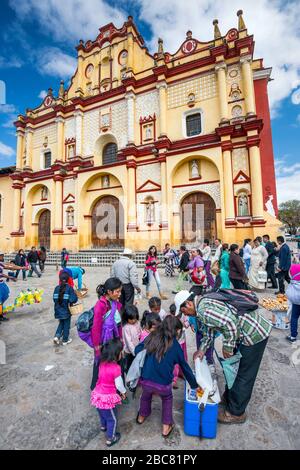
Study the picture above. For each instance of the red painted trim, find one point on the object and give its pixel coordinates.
(57, 232)
(147, 182)
(69, 195)
(241, 173)
(148, 190)
(103, 189)
(203, 182)
(41, 204)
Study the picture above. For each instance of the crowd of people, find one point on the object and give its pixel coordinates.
(154, 342)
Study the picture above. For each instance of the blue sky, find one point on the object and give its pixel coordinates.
(38, 40)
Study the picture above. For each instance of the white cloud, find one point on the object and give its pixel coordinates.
(43, 94)
(7, 108)
(288, 187)
(52, 61)
(69, 20)
(5, 150)
(12, 62)
(296, 97)
(9, 124)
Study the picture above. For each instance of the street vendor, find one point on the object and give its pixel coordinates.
(4, 290)
(248, 333)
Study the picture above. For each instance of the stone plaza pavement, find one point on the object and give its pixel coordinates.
(44, 390)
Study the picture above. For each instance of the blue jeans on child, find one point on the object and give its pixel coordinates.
(109, 421)
(294, 320)
(64, 328)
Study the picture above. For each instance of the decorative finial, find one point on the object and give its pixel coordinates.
(241, 21)
(160, 47)
(217, 29)
(61, 89)
(189, 34)
(50, 91)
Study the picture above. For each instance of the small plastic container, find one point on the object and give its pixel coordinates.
(209, 418)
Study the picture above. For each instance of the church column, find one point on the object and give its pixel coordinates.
(228, 187)
(256, 183)
(248, 85)
(130, 97)
(57, 206)
(29, 148)
(222, 89)
(17, 194)
(80, 71)
(131, 195)
(78, 115)
(164, 192)
(20, 149)
(162, 87)
(60, 155)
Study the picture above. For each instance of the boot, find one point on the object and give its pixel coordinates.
(163, 297)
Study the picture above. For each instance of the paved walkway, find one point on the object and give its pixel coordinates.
(45, 407)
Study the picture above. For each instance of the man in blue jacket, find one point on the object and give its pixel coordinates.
(285, 261)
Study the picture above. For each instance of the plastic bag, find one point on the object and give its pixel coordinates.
(230, 368)
(206, 381)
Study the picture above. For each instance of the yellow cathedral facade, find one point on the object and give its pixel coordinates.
(146, 149)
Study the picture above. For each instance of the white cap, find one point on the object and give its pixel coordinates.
(127, 251)
(180, 298)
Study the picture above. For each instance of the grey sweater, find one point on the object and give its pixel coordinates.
(125, 270)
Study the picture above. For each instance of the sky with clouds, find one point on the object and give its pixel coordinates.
(38, 40)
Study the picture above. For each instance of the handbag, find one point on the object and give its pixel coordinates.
(262, 276)
(293, 291)
(145, 280)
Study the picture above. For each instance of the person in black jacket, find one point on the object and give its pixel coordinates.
(20, 260)
(33, 259)
(270, 268)
(183, 268)
(285, 261)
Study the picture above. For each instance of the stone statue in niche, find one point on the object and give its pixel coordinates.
(44, 193)
(150, 216)
(149, 132)
(269, 206)
(243, 205)
(71, 151)
(105, 181)
(195, 169)
(70, 217)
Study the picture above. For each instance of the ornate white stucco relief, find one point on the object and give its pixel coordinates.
(40, 134)
(119, 122)
(147, 104)
(90, 131)
(204, 87)
(69, 128)
(240, 161)
(148, 172)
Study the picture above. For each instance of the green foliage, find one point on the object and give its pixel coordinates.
(289, 214)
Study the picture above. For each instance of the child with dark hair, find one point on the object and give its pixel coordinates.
(64, 296)
(155, 307)
(172, 309)
(105, 397)
(131, 334)
(149, 323)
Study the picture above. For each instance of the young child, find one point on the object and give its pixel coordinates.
(182, 341)
(155, 307)
(105, 397)
(131, 334)
(172, 310)
(149, 323)
(63, 296)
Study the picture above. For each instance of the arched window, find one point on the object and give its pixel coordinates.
(193, 124)
(70, 216)
(110, 154)
(47, 159)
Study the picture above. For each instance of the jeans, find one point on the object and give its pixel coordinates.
(23, 274)
(63, 329)
(294, 320)
(238, 397)
(281, 276)
(165, 392)
(247, 264)
(210, 279)
(127, 295)
(152, 275)
(109, 421)
(42, 265)
(33, 268)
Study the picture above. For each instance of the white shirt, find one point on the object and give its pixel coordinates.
(247, 252)
(206, 252)
(217, 254)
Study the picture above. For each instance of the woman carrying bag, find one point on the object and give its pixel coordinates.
(293, 295)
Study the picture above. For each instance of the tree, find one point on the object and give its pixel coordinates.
(289, 214)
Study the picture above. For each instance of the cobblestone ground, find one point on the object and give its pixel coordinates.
(48, 407)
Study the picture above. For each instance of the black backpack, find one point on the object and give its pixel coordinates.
(243, 300)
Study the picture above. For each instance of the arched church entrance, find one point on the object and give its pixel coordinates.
(108, 223)
(198, 218)
(44, 229)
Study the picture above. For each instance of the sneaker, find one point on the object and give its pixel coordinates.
(56, 341)
(114, 440)
(67, 342)
(291, 339)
